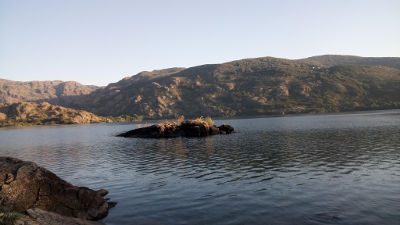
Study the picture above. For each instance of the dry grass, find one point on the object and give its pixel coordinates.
(207, 120)
(180, 119)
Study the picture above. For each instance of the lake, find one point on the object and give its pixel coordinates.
(309, 169)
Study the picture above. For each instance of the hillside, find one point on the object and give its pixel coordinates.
(29, 113)
(336, 60)
(253, 87)
(259, 86)
(52, 91)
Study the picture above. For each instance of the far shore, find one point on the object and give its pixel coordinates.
(147, 121)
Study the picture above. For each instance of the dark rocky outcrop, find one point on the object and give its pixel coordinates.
(25, 185)
(227, 129)
(191, 128)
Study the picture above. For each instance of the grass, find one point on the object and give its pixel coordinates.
(7, 216)
(208, 120)
(199, 120)
(180, 119)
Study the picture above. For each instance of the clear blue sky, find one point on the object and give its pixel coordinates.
(102, 41)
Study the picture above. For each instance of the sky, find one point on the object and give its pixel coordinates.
(101, 41)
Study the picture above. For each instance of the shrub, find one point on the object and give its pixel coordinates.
(180, 119)
(201, 120)
(7, 216)
(209, 121)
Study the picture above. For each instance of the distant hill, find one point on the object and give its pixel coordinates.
(30, 113)
(259, 86)
(52, 91)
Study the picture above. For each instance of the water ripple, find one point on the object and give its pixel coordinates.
(324, 169)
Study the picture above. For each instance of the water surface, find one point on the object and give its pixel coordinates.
(314, 169)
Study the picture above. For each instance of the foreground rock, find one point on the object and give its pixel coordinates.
(25, 187)
(191, 128)
(41, 217)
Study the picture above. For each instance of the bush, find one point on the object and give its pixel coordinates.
(208, 120)
(7, 216)
(180, 119)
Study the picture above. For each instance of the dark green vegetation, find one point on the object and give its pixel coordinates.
(259, 86)
(8, 216)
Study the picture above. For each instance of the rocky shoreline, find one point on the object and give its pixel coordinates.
(188, 128)
(42, 198)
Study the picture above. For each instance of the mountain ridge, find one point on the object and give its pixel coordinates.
(252, 86)
(54, 90)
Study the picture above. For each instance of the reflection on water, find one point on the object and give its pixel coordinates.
(327, 169)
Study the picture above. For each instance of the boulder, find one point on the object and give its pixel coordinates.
(227, 129)
(214, 130)
(25, 185)
(163, 130)
(41, 217)
(3, 116)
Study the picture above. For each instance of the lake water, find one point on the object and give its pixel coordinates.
(314, 169)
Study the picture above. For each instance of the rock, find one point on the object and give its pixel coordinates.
(227, 129)
(26, 220)
(25, 185)
(41, 217)
(3, 116)
(49, 218)
(214, 130)
(185, 129)
(192, 131)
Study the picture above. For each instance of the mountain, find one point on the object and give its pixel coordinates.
(248, 87)
(257, 86)
(336, 60)
(44, 113)
(52, 91)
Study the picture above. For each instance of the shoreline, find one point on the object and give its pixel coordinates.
(146, 121)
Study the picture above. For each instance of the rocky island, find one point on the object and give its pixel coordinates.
(32, 195)
(199, 127)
